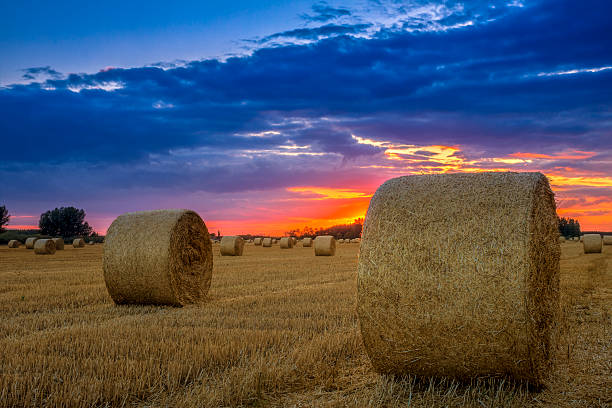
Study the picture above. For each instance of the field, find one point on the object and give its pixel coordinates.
(278, 329)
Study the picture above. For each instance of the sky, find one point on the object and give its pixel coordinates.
(268, 116)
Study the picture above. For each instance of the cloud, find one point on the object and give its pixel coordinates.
(317, 33)
(323, 12)
(36, 72)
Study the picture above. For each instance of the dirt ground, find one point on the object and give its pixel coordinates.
(278, 329)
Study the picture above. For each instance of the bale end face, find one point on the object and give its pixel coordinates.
(325, 245)
(59, 244)
(286, 243)
(78, 243)
(592, 243)
(44, 247)
(13, 243)
(231, 246)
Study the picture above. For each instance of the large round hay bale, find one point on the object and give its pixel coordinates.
(607, 239)
(159, 257)
(266, 242)
(231, 246)
(561, 239)
(257, 241)
(592, 243)
(59, 244)
(458, 276)
(307, 242)
(13, 243)
(325, 245)
(78, 243)
(44, 247)
(286, 243)
(29, 243)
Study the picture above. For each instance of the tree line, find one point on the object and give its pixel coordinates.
(569, 227)
(342, 231)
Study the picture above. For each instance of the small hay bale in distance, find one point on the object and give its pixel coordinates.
(78, 243)
(161, 257)
(44, 247)
(307, 242)
(13, 243)
(561, 239)
(592, 243)
(257, 241)
(266, 242)
(29, 243)
(355, 241)
(59, 244)
(232, 246)
(325, 245)
(274, 241)
(286, 243)
(607, 239)
(458, 276)
(91, 243)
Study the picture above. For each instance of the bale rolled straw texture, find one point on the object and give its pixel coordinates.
(592, 243)
(161, 257)
(325, 245)
(561, 239)
(257, 241)
(286, 243)
(59, 244)
(78, 243)
(231, 246)
(458, 276)
(13, 243)
(607, 239)
(266, 242)
(29, 243)
(44, 247)
(307, 242)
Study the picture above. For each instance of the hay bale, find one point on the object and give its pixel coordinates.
(13, 243)
(91, 243)
(307, 242)
(161, 257)
(607, 239)
(232, 246)
(266, 242)
(44, 247)
(581, 238)
(274, 241)
(78, 243)
(561, 239)
(29, 243)
(458, 276)
(257, 241)
(286, 243)
(59, 244)
(325, 245)
(592, 243)
(355, 241)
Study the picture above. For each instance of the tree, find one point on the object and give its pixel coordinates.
(65, 222)
(4, 217)
(569, 227)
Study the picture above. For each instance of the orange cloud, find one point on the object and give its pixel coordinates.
(569, 155)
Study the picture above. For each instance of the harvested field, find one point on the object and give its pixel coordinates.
(278, 328)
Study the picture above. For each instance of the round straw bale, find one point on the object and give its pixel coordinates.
(355, 241)
(44, 247)
(266, 242)
(458, 276)
(91, 243)
(257, 241)
(13, 243)
(286, 243)
(561, 239)
(78, 243)
(274, 240)
(581, 238)
(607, 239)
(161, 257)
(59, 244)
(325, 245)
(29, 243)
(307, 242)
(232, 246)
(592, 243)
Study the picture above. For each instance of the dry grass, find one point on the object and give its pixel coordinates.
(278, 329)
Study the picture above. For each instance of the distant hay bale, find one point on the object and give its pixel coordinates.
(266, 242)
(232, 246)
(91, 243)
(78, 243)
(257, 241)
(458, 276)
(59, 244)
(581, 238)
(607, 239)
(161, 257)
(561, 239)
(44, 247)
(325, 245)
(286, 243)
(29, 243)
(592, 243)
(274, 241)
(307, 242)
(355, 241)
(13, 243)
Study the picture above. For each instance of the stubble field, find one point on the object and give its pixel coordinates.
(278, 329)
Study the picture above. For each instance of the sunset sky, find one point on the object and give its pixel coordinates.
(266, 116)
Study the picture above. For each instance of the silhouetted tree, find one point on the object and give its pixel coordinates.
(4, 217)
(569, 227)
(65, 222)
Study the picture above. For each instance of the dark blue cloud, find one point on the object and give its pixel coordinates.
(323, 12)
(316, 33)
(35, 72)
